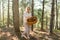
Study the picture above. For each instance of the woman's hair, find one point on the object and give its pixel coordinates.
(26, 8)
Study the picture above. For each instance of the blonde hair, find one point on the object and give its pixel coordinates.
(26, 8)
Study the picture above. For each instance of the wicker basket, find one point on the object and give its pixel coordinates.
(32, 20)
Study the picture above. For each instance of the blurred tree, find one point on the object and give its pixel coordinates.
(0, 13)
(32, 12)
(8, 15)
(46, 21)
(52, 17)
(56, 15)
(3, 10)
(16, 18)
(42, 21)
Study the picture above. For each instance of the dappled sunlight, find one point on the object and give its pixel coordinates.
(29, 19)
(43, 33)
(3, 33)
(14, 38)
(22, 28)
(33, 34)
(8, 33)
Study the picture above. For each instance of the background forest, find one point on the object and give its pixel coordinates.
(46, 11)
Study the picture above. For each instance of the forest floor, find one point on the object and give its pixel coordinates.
(9, 34)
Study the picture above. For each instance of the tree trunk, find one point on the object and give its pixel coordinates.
(16, 18)
(52, 18)
(0, 14)
(8, 15)
(42, 21)
(3, 11)
(22, 10)
(46, 22)
(32, 12)
(56, 16)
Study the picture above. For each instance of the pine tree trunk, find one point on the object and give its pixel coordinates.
(3, 11)
(0, 14)
(52, 18)
(8, 15)
(56, 16)
(46, 21)
(16, 18)
(32, 12)
(42, 21)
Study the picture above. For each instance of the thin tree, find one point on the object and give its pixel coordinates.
(16, 18)
(56, 16)
(8, 15)
(0, 13)
(52, 17)
(42, 20)
(23, 7)
(3, 10)
(46, 21)
(32, 12)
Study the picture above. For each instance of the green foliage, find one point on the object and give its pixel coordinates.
(38, 14)
(37, 11)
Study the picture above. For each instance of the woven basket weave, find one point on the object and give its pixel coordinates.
(32, 20)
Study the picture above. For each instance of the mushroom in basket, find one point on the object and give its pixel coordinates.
(32, 20)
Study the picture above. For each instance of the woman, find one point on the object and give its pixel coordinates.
(26, 15)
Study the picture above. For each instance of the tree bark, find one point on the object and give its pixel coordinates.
(32, 12)
(3, 11)
(56, 16)
(0, 14)
(42, 21)
(16, 18)
(8, 15)
(52, 17)
(46, 21)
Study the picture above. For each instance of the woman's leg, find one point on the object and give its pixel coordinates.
(25, 30)
(28, 31)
